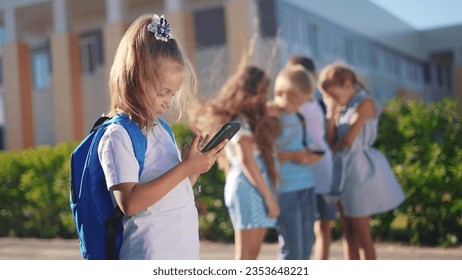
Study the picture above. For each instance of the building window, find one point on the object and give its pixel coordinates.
(444, 76)
(313, 39)
(374, 57)
(388, 59)
(1, 71)
(350, 51)
(412, 71)
(327, 49)
(41, 67)
(267, 18)
(418, 72)
(292, 28)
(210, 27)
(449, 82)
(91, 51)
(440, 74)
(427, 72)
(363, 53)
(396, 65)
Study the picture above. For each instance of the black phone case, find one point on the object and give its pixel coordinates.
(317, 152)
(227, 131)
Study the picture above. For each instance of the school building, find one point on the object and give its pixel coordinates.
(56, 54)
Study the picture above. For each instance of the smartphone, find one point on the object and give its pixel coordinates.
(227, 131)
(317, 152)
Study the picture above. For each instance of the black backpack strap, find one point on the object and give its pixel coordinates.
(98, 123)
(303, 123)
(111, 227)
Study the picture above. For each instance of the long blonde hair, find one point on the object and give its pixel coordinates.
(136, 71)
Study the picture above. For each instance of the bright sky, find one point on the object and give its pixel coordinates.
(424, 14)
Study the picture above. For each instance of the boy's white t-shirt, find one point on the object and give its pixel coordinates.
(167, 229)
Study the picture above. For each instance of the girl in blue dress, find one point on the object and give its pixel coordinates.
(364, 182)
(250, 193)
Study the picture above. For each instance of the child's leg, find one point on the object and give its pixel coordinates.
(362, 233)
(289, 227)
(323, 228)
(350, 247)
(250, 243)
(323, 233)
(308, 206)
(237, 245)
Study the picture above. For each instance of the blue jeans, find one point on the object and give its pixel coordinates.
(295, 224)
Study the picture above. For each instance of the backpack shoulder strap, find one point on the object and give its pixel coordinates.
(139, 143)
(136, 135)
(167, 127)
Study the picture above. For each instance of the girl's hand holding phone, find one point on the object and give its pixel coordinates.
(210, 149)
(227, 131)
(200, 162)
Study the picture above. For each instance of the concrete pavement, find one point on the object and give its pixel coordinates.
(60, 249)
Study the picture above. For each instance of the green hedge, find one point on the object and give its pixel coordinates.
(422, 142)
(34, 192)
(424, 145)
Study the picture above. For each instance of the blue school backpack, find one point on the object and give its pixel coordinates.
(98, 223)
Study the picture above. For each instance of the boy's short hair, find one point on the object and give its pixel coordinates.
(299, 77)
(303, 61)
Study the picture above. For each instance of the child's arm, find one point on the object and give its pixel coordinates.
(365, 111)
(331, 116)
(133, 197)
(251, 170)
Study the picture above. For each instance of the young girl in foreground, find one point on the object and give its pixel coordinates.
(250, 193)
(363, 178)
(148, 73)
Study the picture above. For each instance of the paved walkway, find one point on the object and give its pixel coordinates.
(59, 249)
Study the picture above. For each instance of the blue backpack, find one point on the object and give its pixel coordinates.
(98, 223)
